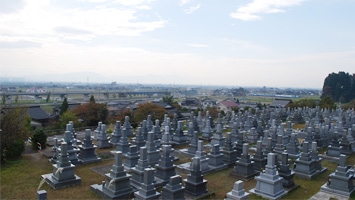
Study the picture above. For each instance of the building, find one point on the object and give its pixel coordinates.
(249, 104)
(280, 103)
(190, 103)
(208, 103)
(227, 105)
(38, 116)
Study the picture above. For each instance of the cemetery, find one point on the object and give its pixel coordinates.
(242, 155)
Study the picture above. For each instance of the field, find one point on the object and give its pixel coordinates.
(20, 180)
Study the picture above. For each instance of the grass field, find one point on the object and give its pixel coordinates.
(20, 180)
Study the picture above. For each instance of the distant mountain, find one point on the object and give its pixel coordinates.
(83, 77)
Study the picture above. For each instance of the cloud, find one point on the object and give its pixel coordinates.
(198, 45)
(19, 44)
(244, 44)
(253, 10)
(192, 9)
(9, 6)
(183, 2)
(44, 20)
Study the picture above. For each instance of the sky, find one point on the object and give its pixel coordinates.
(272, 43)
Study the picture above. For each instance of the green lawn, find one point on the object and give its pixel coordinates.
(20, 180)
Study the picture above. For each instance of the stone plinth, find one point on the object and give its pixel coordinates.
(116, 135)
(165, 168)
(238, 192)
(41, 195)
(218, 138)
(72, 151)
(195, 185)
(174, 189)
(229, 153)
(305, 166)
(139, 140)
(63, 172)
(102, 140)
(131, 158)
(269, 183)
(179, 138)
(285, 172)
(244, 168)
(259, 157)
(341, 181)
(153, 152)
(138, 170)
(87, 152)
(127, 128)
(117, 185)
(147, 189)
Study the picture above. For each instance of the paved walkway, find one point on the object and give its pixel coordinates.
(325, 196)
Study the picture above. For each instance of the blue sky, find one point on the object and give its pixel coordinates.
(276, 43)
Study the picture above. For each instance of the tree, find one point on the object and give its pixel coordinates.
(168, 100)
(310, 103)
(15, 123)
(339, 87)
(213, 112)
(64, 107)
(92, 99)
(92, 113)
(350, 105)
(48, 97)
(39, 137)
(16, 98)
(327, 102)
(143, 110)
(66, 117)
(3, 98)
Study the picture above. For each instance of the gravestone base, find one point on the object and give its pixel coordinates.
(65, 183)
(184, 152)
(334, 151)
(201, 196)
(179, 144)
(91, 160)
(185, 168)
(291, 188)
(306, 176)
(196, 189)
(330, 158)
(267, 196)
(98, 189)
(327, 189)
(294, 156)
(243, 177)
(259, 164)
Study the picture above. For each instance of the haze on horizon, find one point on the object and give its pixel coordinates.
(276, 43)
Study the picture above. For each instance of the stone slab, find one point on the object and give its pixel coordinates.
(58, 185)
(202, 196)
(102, 170)
(324, 195)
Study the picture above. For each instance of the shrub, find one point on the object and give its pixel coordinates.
(40, 137)
(17, 147)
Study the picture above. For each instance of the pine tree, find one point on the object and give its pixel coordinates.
(48, 97)
(64, 106)
(92, 99)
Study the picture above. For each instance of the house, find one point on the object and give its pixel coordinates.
(38, 116)
(190, 103)
(280, 103)
(227, 105)
(71, 106)
(249, 104)
(169, 108)
(208, 103)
